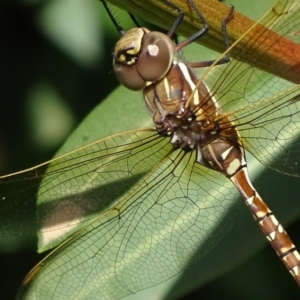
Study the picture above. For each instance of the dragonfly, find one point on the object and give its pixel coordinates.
(174, 184)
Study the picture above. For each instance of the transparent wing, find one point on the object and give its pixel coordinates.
(148, 208)
(265, 108)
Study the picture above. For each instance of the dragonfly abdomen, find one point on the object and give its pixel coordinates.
(269, 225)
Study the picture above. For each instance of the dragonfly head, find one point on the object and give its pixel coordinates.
(142, 56)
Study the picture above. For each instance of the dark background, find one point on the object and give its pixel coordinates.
(46, 90)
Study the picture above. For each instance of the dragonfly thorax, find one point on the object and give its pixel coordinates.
(179, 107)
(190, 115)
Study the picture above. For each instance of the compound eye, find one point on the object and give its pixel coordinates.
(150, 64)
(156, 56)
(129, 76)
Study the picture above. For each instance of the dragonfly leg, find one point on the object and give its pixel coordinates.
(179, 19)
(226, 58)
(198, 34)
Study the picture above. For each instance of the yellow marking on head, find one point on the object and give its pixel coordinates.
(131, 62)
(122, 58)
(132, 51)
